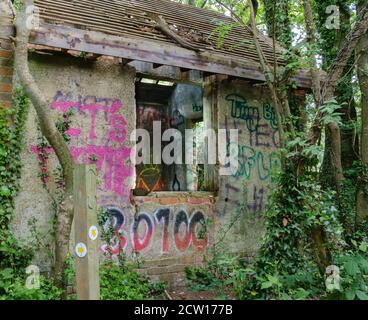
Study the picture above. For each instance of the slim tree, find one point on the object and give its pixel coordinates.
(362, 70)
(53, 136)
(331, 40)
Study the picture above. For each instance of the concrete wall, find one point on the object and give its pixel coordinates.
(165, 228)
(99, 101)
(243, 196)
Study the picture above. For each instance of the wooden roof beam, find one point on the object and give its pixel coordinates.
(124, 61)
(167, 73)
(151, 51)
(156, 65)
(183, 70)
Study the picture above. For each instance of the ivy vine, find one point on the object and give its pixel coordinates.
(12, 121)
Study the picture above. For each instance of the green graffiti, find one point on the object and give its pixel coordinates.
(241, 110)
(269, 115)
(247, 161)
(250, 159)
(274, 163)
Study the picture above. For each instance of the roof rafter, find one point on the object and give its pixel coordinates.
(147, 50)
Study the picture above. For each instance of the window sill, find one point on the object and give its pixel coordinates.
(178, 194)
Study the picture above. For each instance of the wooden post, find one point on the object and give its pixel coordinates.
(210, 119)
(86, 233)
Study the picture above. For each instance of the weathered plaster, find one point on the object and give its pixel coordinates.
(243, 197)
(163, 228)
(66, 83)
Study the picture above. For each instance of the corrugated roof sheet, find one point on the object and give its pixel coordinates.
(131, 18)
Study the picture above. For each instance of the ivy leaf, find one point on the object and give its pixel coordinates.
(363, 247)
(5, 191)
(363, 263)
(266, 285)
(301, 294)
(352, 267)
(7, 273)
(350, 294)
(361, 295)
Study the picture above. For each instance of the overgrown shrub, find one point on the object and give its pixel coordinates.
(12, 287)
(124, 283)
(286, 267)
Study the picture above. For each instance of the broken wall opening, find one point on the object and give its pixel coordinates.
(176, 106)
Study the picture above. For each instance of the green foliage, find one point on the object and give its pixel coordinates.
(277, 18)
(363, 178)
(118, 279)
(354, 277)
(17, 5)
(12, 120)
(119, 282)
(63, 124)
(12, 253)
(11, 129)
(288, 265)
(221, 31)
(329, 110)
(221, 273)
(352, 262)
(14, 256)
(285, 267)
(12, 287)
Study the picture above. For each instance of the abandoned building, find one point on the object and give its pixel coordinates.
(109, 67)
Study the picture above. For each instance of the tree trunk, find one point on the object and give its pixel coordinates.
(322, 255)
(362, 69)
(53, 136)
(332, 41)
(335, 73)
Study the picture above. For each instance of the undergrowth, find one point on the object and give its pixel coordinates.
(286, 266)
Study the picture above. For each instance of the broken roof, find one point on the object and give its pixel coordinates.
(132, 29)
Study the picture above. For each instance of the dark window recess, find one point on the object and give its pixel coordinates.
(178, 106)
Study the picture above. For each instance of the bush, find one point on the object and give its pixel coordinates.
(12, 287)
(124, 283)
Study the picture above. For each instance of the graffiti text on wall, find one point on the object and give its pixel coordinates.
(252, 159)
(240, 109)
(108, 150)
(177, 231)
(257, 156)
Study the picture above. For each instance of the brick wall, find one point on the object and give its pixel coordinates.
(6, 53)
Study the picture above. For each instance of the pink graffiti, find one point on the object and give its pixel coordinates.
(42, 153)
(73, 132)
(114, 161)
(110, 154)
(64, 106)
(37, 150)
